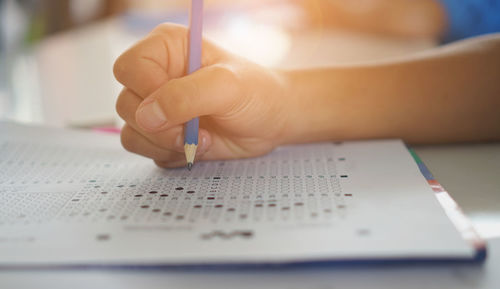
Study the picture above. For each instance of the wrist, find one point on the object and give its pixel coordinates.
(324, 104)
(308, 103)
(287, 107)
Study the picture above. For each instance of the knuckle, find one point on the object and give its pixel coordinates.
(225, 73)
(229, 79)
(120, 106)
(229, 76)
(128, 139)
(169, 29)
(119, 67)
(125, 63)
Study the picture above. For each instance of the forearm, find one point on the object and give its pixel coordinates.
(449, 94)
(422, 18)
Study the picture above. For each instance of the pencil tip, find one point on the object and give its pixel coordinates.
(190, 166)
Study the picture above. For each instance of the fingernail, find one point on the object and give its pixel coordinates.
(203, 144)
(151, 116)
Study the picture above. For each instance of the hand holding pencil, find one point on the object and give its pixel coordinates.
(241, 106)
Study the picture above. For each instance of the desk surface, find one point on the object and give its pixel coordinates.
(468, 172)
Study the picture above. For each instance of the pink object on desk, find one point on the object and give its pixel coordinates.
(107, 129)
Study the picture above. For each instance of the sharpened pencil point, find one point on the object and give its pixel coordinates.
(190, 151)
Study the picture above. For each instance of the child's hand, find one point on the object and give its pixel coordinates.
(242, 107)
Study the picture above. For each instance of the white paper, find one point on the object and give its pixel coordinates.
(77, 198)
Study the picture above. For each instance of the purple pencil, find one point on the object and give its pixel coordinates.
(194, 54)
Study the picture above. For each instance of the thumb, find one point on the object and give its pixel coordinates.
(210, 90)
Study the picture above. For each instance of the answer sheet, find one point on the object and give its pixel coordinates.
(77, 198)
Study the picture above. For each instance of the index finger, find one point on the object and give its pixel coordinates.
(159, 57)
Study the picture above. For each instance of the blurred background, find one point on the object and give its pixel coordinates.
(56, 56)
